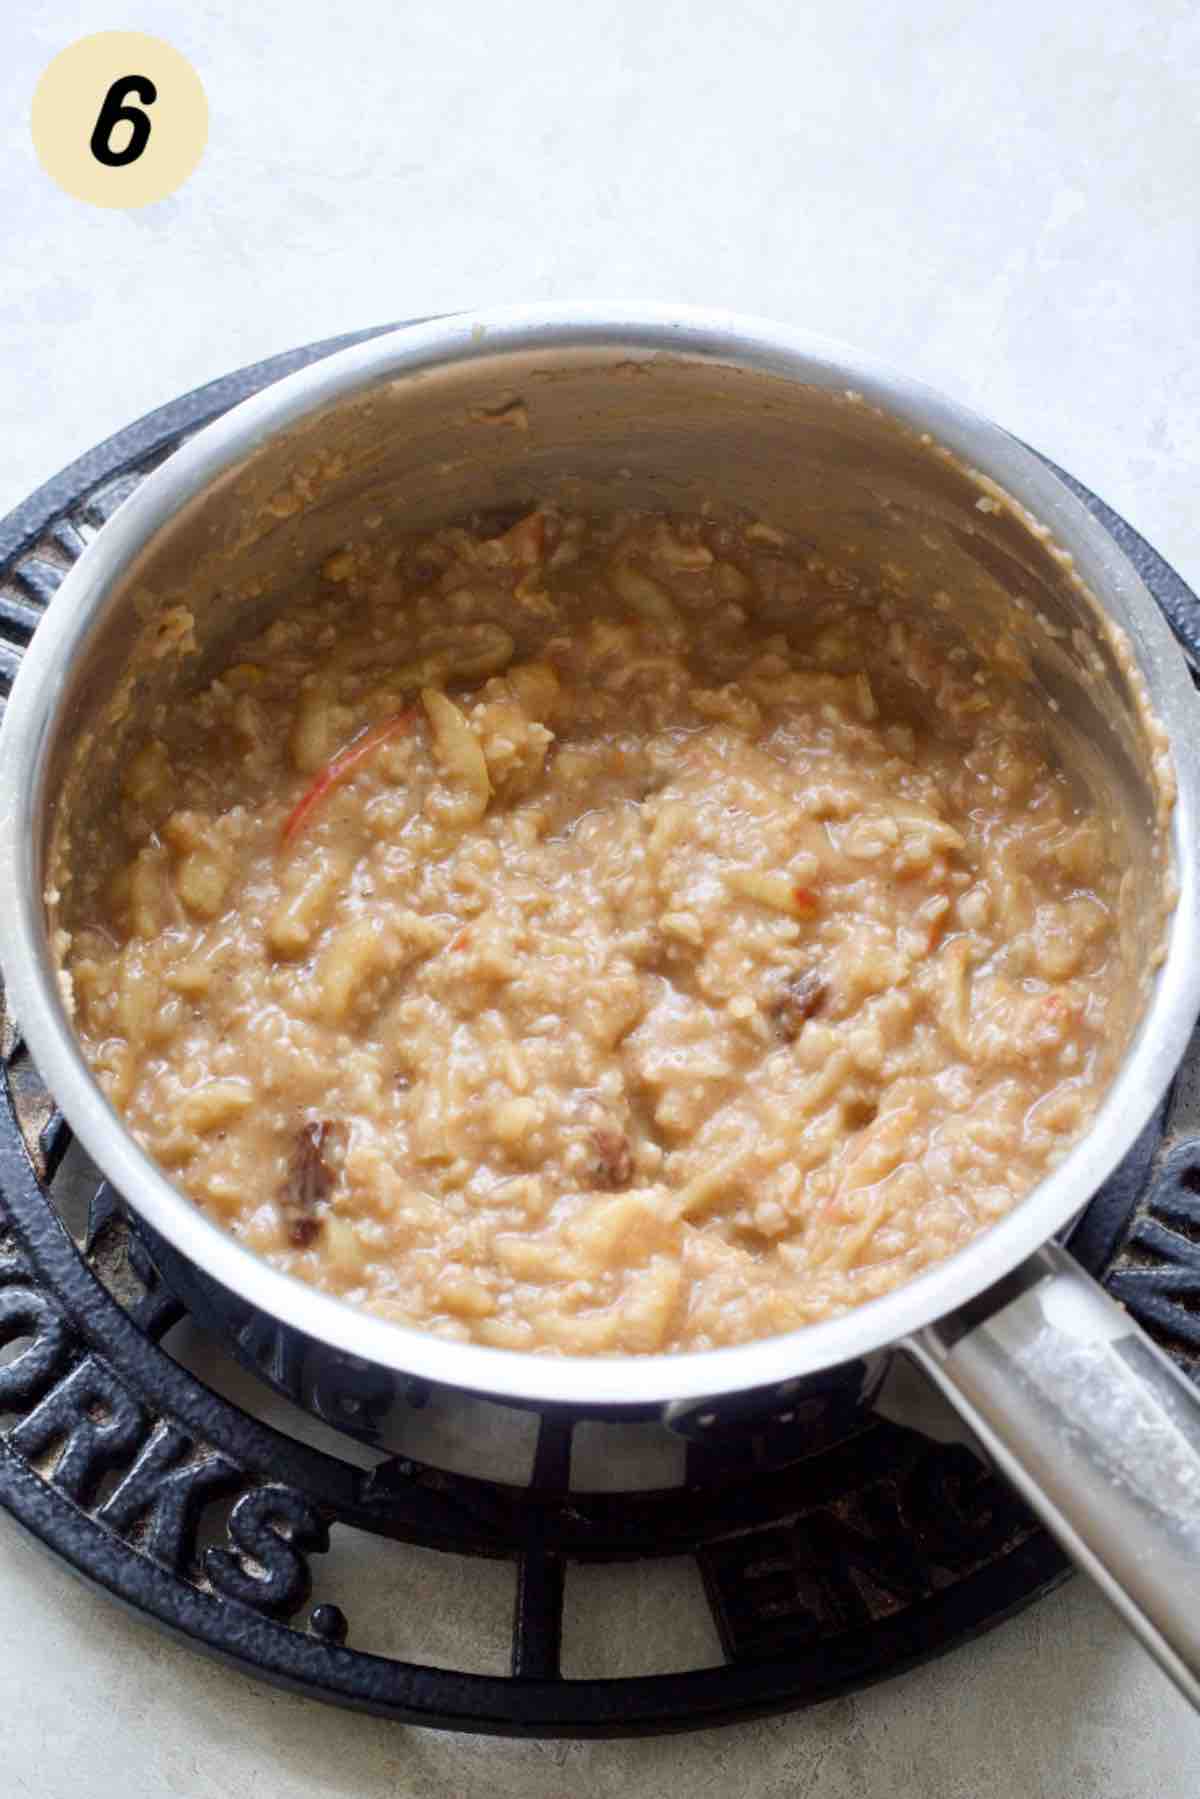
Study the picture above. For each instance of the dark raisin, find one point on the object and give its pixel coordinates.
(798, 1000)
(303, 1231)
(613, 1164)
(308, 1185)
(858, 1111)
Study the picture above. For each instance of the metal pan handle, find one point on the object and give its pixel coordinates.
(1096, 1429)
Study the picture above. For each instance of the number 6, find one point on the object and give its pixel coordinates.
(113, 113)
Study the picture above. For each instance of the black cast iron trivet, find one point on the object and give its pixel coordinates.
(828, 1560)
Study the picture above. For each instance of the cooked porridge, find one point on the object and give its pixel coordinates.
(602, 935)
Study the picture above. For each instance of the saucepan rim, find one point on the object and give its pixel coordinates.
(28, 733)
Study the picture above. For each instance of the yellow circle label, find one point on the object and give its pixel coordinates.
(119, 119)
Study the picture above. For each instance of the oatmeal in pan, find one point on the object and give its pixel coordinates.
(602, 935)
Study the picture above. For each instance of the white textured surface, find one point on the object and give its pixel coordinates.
(1058, 1706)
(1002, 200)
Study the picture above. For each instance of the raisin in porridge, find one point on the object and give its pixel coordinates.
(601, 935)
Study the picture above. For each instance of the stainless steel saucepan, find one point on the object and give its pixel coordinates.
(667, 407)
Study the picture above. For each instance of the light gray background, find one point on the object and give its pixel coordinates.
(1000, 199)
